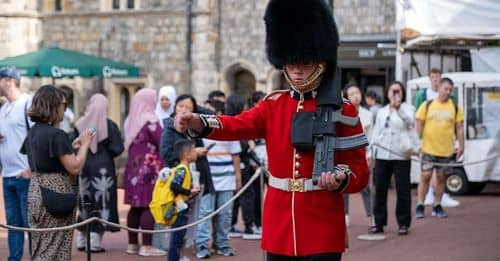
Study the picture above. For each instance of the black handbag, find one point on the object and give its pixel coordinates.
(59, 205)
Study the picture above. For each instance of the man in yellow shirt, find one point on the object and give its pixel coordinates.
(437, 122)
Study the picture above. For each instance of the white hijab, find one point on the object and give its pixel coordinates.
(169, 92)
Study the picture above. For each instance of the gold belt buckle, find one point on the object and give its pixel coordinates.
(296, 185)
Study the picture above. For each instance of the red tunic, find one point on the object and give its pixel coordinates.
(297, 223)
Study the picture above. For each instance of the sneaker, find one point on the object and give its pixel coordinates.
(225, 251)
(258, 230)
(81, 241)
(347, 221)
(403, 231)
(151, 251)
(95, 243)
(233, 233)
(419, 212)
(202, 253)
(251, 234)
(438, 211)
(449, 202)
(376, 230)
(132, 249)
(184, 258)
(429, 197)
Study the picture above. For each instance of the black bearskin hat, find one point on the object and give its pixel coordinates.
(300, 31)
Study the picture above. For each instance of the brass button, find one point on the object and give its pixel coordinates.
(297, 174)
(297, 164)
(297, 156)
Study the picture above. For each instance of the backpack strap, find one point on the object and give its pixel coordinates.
(26, 117)
(428, 104)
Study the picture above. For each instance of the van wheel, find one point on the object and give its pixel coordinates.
(457, 182)
(476, 187)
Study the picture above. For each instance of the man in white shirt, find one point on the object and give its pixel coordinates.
(224, 160)
(14, 127)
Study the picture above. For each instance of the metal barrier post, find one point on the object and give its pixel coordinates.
(87, 206)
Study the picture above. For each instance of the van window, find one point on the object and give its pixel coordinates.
(483, 119)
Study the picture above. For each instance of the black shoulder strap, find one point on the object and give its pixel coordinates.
(427, 105)
(26, 117)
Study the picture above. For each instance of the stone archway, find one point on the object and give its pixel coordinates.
(240, 79)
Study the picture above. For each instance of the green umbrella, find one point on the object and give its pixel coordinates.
(57, 63)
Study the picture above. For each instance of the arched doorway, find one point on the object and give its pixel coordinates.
(244, 83)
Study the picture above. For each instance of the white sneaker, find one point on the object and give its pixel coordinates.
(347, 221)
(251, 234)
(132, 249)
(151, 251)
(258, 230)
(81, 241)
(95, 242)
(447, 201)
(184, 258)
(429, 197)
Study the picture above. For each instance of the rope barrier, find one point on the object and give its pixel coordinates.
(419, 159)
(256, 175)
(259, 172)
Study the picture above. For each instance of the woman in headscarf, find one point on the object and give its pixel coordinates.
(98, 178)
(142, 132)
(164, 109)
(165, 104)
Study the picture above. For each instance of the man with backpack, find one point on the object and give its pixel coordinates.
(429, 94)
(437, 121)
(16, 172)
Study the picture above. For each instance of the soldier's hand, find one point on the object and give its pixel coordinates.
(187, 120)
(331, 181)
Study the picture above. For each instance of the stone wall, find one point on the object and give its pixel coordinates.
(243, 38)
(20, 27)
(152, 40)
(365, 16)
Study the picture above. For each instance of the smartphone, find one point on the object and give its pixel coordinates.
(209, 147)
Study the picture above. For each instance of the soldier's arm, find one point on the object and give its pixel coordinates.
(353, 159)
(250, 124)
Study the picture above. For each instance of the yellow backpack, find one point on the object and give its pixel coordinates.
(162, 204)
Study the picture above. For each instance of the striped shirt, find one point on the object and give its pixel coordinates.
(220, 159)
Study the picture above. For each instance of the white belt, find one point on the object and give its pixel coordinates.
(293, 185)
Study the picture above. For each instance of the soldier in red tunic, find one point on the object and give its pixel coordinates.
(303, 213)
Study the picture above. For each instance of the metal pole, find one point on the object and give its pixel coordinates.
(87, 206)
(261, 179)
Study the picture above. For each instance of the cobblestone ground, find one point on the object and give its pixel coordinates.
(472, 232)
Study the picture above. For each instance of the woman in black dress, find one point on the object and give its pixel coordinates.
(98, 179)
(54, 166)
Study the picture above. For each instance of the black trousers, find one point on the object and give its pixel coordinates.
(382, 179)
(247, 202)
(318, 257)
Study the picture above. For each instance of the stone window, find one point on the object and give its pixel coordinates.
(57, 6)
(119, 5)
(130, 4)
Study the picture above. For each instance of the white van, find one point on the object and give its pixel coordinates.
(479, 96)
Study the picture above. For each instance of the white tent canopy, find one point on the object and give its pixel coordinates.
(485, 59)
(448, 19)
